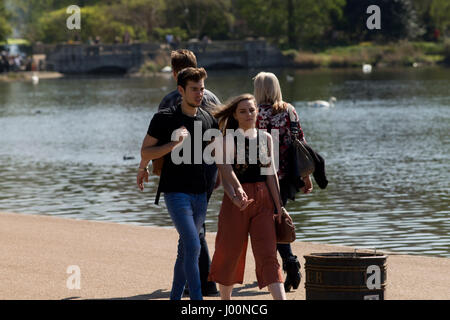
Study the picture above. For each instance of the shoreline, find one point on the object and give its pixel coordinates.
(118, 261)
(26, 76)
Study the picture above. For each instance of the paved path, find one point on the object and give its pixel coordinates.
(118, 261)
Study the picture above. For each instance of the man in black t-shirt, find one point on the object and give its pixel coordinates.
(180, 59)
(184, 185)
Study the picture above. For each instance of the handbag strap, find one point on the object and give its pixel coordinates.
(293, 122)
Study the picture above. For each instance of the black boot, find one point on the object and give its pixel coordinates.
(292, 267)
(209, 288)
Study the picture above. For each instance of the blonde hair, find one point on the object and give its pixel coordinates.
(224, 113)
(268, 91)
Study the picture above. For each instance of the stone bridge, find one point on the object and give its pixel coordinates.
(122, 58)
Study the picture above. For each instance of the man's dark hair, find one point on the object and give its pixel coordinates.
(190, 74)
(182, 58)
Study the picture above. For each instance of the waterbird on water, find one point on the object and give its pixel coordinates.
(322, 103)
(34, 78)
(166, 69)
(367, 68)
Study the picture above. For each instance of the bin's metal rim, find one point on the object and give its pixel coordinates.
(309, 267)
(349, 255)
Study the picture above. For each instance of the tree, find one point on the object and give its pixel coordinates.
(440, 13)
(290, 23)
(423, 10)
(26, 14)
(398, 20)
(5, 28)
(96, 21)
(143, 16)
(199, 17)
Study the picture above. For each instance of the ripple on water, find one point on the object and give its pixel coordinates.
(385, 144)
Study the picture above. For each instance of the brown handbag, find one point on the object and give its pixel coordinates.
(285, 230)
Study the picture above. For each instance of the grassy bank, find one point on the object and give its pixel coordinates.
(155, 65)
(396, 54)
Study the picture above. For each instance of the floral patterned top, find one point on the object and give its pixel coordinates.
(282, 122)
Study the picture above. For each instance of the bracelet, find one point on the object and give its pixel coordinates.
(143, 169)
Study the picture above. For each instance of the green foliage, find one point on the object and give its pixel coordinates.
(306, 24)
(200, 17)
(95, 22)
(440, 13)
(140, 16)
(290, 23)
(447, 51)
(5, 28)
(26, 14)
(398, 21)
(402, 53)
(176, 32)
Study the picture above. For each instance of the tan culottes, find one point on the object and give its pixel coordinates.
(228, 264)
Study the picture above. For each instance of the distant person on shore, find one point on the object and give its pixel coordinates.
(436, 34)
(4, 62)
(169, 40)
(184, 185)
(274, 113)
(205, 42)
(181, 59)
(126, 37)
(254, 214)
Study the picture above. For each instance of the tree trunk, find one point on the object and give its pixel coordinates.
(291, 24)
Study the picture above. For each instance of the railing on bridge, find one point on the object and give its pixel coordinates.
(83, 57)
(226, 45)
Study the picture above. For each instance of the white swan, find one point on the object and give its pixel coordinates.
(35, 78)
(322, 103)
(166, 69)
(367, 68)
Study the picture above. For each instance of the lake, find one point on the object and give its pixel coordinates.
(386, 144)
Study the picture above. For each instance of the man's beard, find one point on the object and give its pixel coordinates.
(193, 105)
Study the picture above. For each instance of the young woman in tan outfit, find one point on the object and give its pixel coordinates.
(248, 207)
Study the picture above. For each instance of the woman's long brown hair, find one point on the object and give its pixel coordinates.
(224, 114)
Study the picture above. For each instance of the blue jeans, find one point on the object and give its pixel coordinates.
(188, 212)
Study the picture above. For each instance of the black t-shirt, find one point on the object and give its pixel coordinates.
(186, 178)
(250, 171)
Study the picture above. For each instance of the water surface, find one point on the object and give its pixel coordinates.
(386, 145)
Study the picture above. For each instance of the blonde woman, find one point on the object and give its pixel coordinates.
(274, 113)
(252, 214)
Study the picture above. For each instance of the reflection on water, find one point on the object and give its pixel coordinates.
(386, 145)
